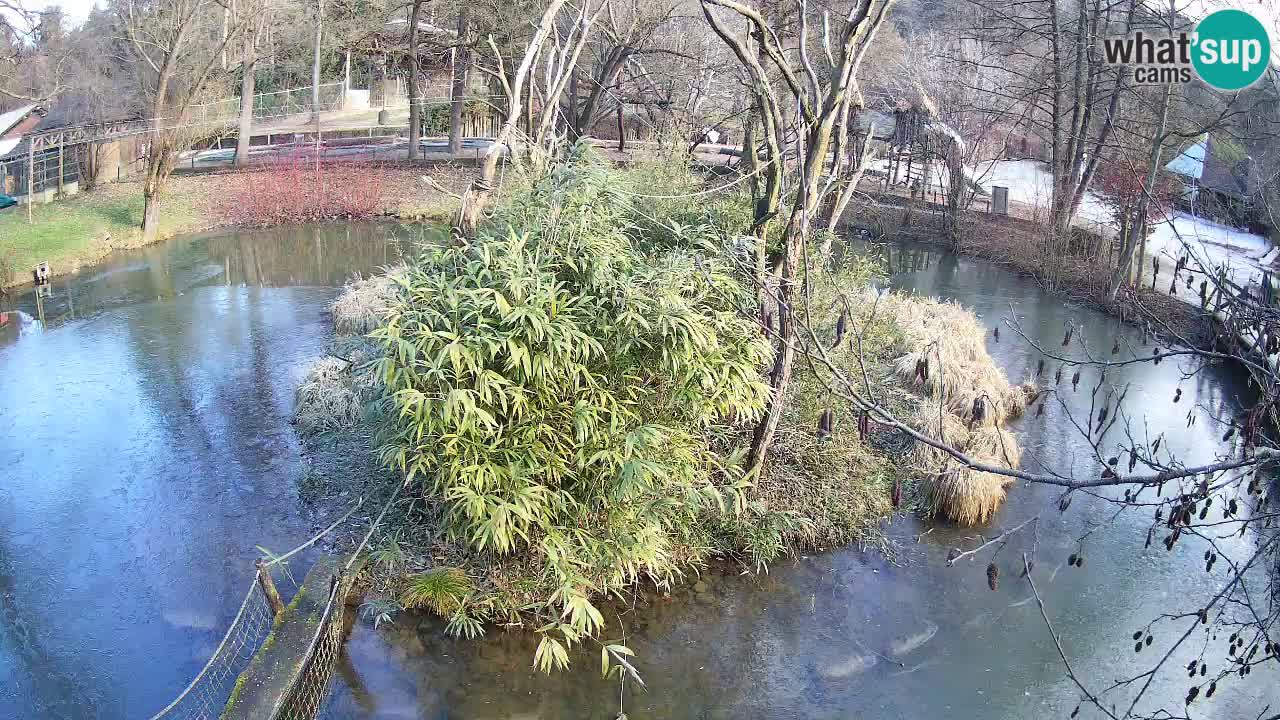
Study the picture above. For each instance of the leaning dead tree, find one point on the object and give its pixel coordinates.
(477, 197)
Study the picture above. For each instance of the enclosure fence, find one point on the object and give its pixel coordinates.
(310, 686)
(277, 104)
(206, 696)
(61, 159)
(53, 168)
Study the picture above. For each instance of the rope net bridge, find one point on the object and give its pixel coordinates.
(288, 677)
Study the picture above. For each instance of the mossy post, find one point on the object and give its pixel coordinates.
(269, 588)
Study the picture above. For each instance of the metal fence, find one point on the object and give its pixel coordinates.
(63, 156)
(310, 685)
(206, 696)
(281, 103)
(52, 168)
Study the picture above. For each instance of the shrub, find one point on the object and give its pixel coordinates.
(557, 385)
(683, 199)
(294, 189)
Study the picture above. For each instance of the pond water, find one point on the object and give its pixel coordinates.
(823, 636)
(146, 449)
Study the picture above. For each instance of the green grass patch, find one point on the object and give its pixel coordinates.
(74, 232)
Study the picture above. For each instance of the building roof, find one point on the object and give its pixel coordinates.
(1226, 169)
(8, 144)
(1215, 165)
(1191, 162)
(13, 117)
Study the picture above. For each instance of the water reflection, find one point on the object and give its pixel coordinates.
(146, 447)
(849, 634)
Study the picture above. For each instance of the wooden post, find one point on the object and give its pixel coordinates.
(62, 146)
(31, 177)
(622, 132)
(269, 588)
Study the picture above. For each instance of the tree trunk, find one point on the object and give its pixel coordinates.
(151, 186)
(458, 88)
(250, 65)
(415, 99)
(476, 198)
(749, 159)
(583, 116)
(1138, 225)
(762, 437)
(571, 110)
(315, 62)
(157, 157)
(835, 209)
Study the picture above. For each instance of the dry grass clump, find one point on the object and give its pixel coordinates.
(953, 343)
(960, 372)
(332, 396)
(953, 490)
(364, 302)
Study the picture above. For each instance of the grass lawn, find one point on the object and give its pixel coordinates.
(78, 231)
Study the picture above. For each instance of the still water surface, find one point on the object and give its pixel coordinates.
(146, 449)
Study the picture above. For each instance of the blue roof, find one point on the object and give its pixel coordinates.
(1191, 162)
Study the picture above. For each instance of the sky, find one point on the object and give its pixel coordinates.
(1266, 10)
(75, 10)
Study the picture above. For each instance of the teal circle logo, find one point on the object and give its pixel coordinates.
(1232, 49)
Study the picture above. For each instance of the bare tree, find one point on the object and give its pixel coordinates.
(629, 29)
(458, 85)
(476, 199)
(823, 101)
(415, 87)
(318, 29)
(566, 48)
(1049, 64)
(34, 60)
(178, 47)
(253, 21)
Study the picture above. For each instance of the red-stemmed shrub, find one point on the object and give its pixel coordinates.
(295, 189)
(1121, 183)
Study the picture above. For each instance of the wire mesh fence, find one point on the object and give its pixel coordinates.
(310, 686)
(207, 694)
(307, 692)
(277, 104)
(52, 168)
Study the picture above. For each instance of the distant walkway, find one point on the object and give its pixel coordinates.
(390, 148)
